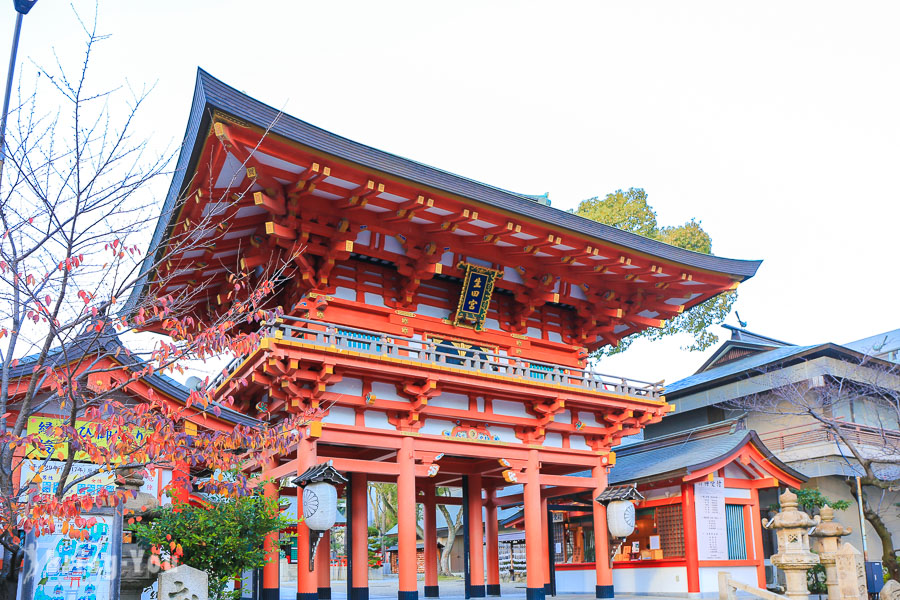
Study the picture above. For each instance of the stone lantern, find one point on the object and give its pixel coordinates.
(827, 535)
(794, 557)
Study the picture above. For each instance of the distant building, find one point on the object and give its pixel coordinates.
(750, 370)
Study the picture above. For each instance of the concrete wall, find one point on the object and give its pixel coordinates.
(661, 580)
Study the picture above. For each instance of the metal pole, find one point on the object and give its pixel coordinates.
(862, 519)
(9, 79)
(467, 576)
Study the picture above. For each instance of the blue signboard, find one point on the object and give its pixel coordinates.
(475, 297)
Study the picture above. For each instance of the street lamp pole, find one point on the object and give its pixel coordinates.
(22, 7)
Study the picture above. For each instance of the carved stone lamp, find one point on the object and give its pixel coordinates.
(794, 557)
(827, 535)
(319, 502)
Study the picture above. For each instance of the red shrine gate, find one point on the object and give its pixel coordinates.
(436, 329)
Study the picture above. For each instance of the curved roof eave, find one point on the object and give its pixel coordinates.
(211, 93)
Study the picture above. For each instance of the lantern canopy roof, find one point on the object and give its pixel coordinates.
(318, 473)
(619, 492)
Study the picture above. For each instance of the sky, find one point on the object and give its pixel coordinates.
(776, 124)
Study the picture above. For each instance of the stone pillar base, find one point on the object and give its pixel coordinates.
(359, 593)
(492, 589)
(432, 591)
(606, 591)
(534, 593)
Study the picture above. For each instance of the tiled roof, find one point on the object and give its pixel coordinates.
(747, 365)
(619, 492)
(684, 453)
(211, 94)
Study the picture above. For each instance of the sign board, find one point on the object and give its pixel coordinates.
(712, 533)
(51, 443)
(95, 482)
(59, 567)
(478, 286)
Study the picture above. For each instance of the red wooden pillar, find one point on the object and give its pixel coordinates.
(601, 536)
(271, 576)
(492, 532)
(432, 589)
(406, 521)
(690, 538)
(307, 587)
(534, 539)
(323, 567)
(756, 530)
(359, 521)
(181, 482)
(476, 537)
(545, 545)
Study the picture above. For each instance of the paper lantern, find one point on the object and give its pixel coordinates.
(319, 506)
(620, 518)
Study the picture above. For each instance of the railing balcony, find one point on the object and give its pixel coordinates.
(434, 352)
(861, 436)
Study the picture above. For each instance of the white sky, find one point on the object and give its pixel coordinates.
(775, 123)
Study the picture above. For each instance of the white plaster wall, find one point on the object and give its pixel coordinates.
(744, 494)
(510, 409)
(666, 492)
(450, 400)
(433, 311)
(660, 580)
(345, 293)
(387, 391)
(347, 385)
(553, 440)
(436, 426)
(374, 299)
(564, 416)
(588, 419)
(709, 577)
(341, 415)
(506, 434)
(377, 420)
(576, 442)
(582, 581)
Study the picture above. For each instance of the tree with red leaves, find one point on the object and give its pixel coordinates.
(75, 205)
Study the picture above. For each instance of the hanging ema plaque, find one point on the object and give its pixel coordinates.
(475, 297)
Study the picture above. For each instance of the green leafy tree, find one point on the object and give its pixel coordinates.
(630, 211)
(224, 538)
(811, 500)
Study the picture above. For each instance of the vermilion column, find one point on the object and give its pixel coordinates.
(181, 482)
(406, 521)
(476, 538)
(534, 539)
(271, 575)
(545, 537)
(690, 538)
(432, 590)
(755, 521)
(307, 587)
(323, 566)
(601, 536)
(359, 520)
(492, 532)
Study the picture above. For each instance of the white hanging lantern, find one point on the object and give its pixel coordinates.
(620, 518)
(319, 502)
(319, 506)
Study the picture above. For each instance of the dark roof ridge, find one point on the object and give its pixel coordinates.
(752, 334)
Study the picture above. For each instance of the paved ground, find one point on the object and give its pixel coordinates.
(451, 589)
